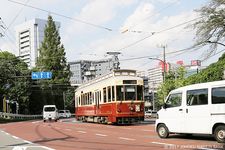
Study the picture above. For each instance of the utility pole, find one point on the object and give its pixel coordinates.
(164, 63)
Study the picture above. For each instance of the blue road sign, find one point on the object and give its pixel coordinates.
(41, 75)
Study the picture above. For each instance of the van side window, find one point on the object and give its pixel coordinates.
(174, 100)
(218, 95)
(197, 97)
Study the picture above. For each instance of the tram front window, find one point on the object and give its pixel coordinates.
(139, 92)
(130, 93)
(119, 93)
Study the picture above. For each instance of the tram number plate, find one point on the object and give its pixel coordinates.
(137, 107)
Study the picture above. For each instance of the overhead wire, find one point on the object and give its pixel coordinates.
(61, 15)
(158, 32)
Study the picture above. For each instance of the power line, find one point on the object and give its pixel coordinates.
(64, 16)
(154, 33)
(213, 55)
(13, 20)
(168, 53)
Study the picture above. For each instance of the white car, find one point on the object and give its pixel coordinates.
(64, 114)
(50, 112)
(150, 114)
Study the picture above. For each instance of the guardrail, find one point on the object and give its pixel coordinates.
(19, 116)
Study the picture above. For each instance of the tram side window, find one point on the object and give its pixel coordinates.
(90, 98)
(139, 92)
(104, 95)
(109, 93)
(113, 94)
(100, 96)
(86, 99)
(82, 99)
(79, 100)
(119, 93)
(130, 93)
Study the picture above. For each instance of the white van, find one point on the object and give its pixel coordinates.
(194, 109)
(50, 112)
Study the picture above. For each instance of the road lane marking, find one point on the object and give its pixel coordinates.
(35, 122)
(27, 147)
(27, 142)
(81, 131)
(129, 139)
(207, 149)
(147, 130)
(15, 137)
(100, 134)
(110, 127)
(162, 143)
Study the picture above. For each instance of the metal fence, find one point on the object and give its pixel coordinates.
(18, 116)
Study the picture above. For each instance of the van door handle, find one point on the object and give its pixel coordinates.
(186, 110)
(180, 109)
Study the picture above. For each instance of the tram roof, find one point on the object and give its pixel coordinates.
(113, 73)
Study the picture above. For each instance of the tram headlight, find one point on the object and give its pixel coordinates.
(137, 108)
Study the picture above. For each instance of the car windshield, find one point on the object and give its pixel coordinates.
(61, 111)
(49, 109)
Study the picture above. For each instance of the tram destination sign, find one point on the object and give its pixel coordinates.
(41, 75)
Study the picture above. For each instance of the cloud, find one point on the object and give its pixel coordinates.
(142, 13)
(175, 39)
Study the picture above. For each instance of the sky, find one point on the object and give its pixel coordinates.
(138, 29)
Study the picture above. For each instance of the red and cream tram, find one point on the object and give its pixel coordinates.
(116, 97)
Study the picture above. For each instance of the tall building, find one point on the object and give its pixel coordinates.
(84, 70)
(29, 36)
(147, 96)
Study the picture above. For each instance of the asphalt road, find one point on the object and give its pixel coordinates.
(73, 135)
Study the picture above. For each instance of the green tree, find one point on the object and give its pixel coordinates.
(213, 72)
(174, 79)
(14, 80)
(52, 58)
(210, 28)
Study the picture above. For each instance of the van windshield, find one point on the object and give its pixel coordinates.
(49, 109)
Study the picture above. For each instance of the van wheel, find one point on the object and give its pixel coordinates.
(219, 134)
(162, 131)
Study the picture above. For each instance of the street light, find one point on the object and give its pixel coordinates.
(164, 78)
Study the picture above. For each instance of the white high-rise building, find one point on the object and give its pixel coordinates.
(29, 36)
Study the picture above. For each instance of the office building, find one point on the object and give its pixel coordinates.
(29, 36)
(84, 70)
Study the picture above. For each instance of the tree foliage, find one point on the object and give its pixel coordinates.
(174, 79)
(213, 72)
(210, 29)
(14, 80)
(51, 58)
